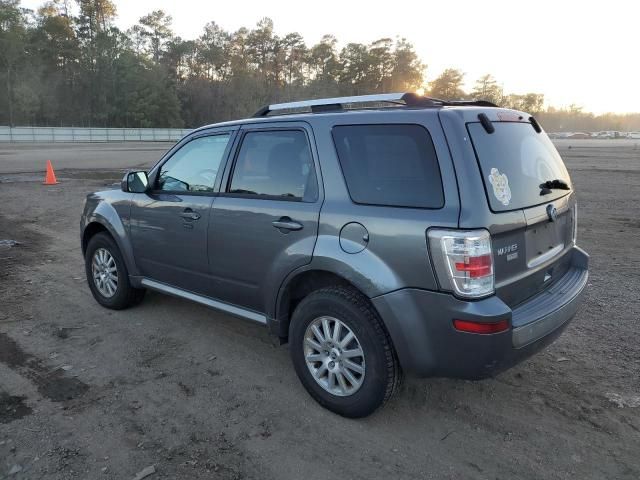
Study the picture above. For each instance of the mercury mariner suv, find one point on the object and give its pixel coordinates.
(377, 235)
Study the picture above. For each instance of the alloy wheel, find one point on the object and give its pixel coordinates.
(105, 272)
(334, 356)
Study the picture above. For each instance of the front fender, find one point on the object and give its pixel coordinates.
(111, 210)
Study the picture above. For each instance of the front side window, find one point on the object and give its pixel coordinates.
(275, 164)
(389, 165)
(195, 166)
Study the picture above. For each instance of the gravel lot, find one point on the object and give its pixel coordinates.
(90, 393)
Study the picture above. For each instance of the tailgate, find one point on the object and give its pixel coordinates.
(516, 161)
(529, 259)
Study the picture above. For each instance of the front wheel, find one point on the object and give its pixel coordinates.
(107, 274)
(342, 353)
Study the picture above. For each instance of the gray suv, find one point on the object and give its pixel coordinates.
(377, 235)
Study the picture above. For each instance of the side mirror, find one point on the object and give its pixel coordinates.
(135, 182)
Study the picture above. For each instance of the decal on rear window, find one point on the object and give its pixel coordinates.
(500, 184)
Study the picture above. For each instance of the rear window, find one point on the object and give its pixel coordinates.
(390, 165)
(514, 161)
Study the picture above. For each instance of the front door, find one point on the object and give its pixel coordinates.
(264, 223)
(169, 225)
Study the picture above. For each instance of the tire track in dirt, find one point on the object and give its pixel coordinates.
(52, 383)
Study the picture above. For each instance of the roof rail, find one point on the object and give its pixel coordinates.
(321, 105)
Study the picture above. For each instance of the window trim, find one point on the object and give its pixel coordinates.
(224, 189)
(223, 160)
(387, 124)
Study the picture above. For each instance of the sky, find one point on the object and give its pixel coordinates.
(575, 52)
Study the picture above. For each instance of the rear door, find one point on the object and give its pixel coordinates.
(522, 172)
(264, 222)
(169, 224)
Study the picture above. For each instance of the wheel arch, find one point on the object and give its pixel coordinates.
(111, 224)
(296, 287)
(91, 230)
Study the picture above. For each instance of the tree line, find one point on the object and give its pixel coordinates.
(67, 64)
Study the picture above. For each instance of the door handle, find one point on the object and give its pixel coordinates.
(189, 214)
(285, 223)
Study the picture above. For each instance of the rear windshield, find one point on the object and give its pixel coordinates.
(391, 165)
(514, 161)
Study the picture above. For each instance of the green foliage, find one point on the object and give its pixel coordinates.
(448, 86)
(68, 69)
(67, 64)
(13, 36)
(531, 102)
(486, 88)
(573, 119)
(156, 29)
(408, 70)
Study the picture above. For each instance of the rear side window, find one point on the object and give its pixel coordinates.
(275, 164)
(515, 160)
(390, 165)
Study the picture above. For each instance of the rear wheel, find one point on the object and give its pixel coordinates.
(107, 274)
(342, 352)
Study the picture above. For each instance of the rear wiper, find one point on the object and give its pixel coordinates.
(546, 187)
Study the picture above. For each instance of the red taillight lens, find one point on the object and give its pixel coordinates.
(482, 328)
(463, 261)
(476, 266)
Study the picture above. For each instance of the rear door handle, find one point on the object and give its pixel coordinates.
(285, 223)
(189, 214)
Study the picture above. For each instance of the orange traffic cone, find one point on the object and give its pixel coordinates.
(50, 177)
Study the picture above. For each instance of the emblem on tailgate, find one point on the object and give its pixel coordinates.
(552, 213)
(510, 250)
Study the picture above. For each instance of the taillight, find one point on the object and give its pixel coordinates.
(463, 261)
(476, 266)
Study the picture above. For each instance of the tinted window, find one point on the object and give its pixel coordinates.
(194, 167)
(514, 161)
(275, 164)
(393, 165)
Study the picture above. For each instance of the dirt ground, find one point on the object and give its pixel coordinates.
(90, 393)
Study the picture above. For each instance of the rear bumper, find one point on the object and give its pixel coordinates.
(420, 323)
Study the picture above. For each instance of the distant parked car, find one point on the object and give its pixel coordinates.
(608, 134)
(579, 135)
(376, 234)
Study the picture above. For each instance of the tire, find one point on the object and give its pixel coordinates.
(381, 375)
(102, 246)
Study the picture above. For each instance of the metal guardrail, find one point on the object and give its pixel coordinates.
(79, 134)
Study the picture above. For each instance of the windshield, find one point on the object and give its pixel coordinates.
(515, 160)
